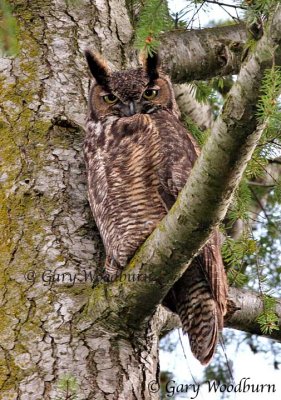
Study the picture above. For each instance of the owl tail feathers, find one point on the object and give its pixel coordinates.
(202, 321)
(199, 298)
(111, 267)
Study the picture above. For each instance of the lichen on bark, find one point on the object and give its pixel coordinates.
(46, 224)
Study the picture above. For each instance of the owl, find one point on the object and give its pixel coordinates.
(138, 156)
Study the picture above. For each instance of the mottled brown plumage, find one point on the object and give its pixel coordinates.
(138, 157)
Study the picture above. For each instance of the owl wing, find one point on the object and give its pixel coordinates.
(199, 296)
(122, 183)
(177, 163)
(179, 153)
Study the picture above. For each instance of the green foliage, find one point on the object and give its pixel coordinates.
(133, 8)
(269, 117)
(241, 203)
(257, 8)
(199, 135)
(256, 12)
(222, 84)
(244, 255)
(257, 165)
(68, 387)
(153, 20)
(205, 92)
(268, 106)
(236, 254)
(275, 197)
(8, 37)
(268, 319)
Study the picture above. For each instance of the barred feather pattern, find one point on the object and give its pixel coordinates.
(199, 298)
(136, 166)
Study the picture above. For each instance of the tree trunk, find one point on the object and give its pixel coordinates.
(48, 238)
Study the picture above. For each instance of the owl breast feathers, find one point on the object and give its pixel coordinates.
(139, 156)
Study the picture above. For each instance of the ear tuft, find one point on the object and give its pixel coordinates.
(98, 67)
(151, 64)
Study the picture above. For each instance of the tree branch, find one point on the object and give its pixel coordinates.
(200, 113)
(251, 307)
(203, 53)
(272, 172)
(162, 259)
(219, 3)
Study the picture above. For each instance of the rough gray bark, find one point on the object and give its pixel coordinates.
(47, 232)
(251, 306)
(200, 113)
(50, 248)
(202, 54)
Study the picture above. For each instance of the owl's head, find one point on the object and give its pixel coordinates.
(143, 90)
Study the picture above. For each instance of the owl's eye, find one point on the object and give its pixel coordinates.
(150, 94)
(110, 98)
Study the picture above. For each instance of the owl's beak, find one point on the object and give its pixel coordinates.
(132, 108)
(129, 109)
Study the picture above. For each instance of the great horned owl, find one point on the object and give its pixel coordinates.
(139, 156)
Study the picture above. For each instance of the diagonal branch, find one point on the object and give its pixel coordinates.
(201, 205)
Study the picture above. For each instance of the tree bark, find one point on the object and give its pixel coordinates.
(244, 308)
(200, 113)
(48, 237)
(250, 307)
(203, 54)
(50, 249)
